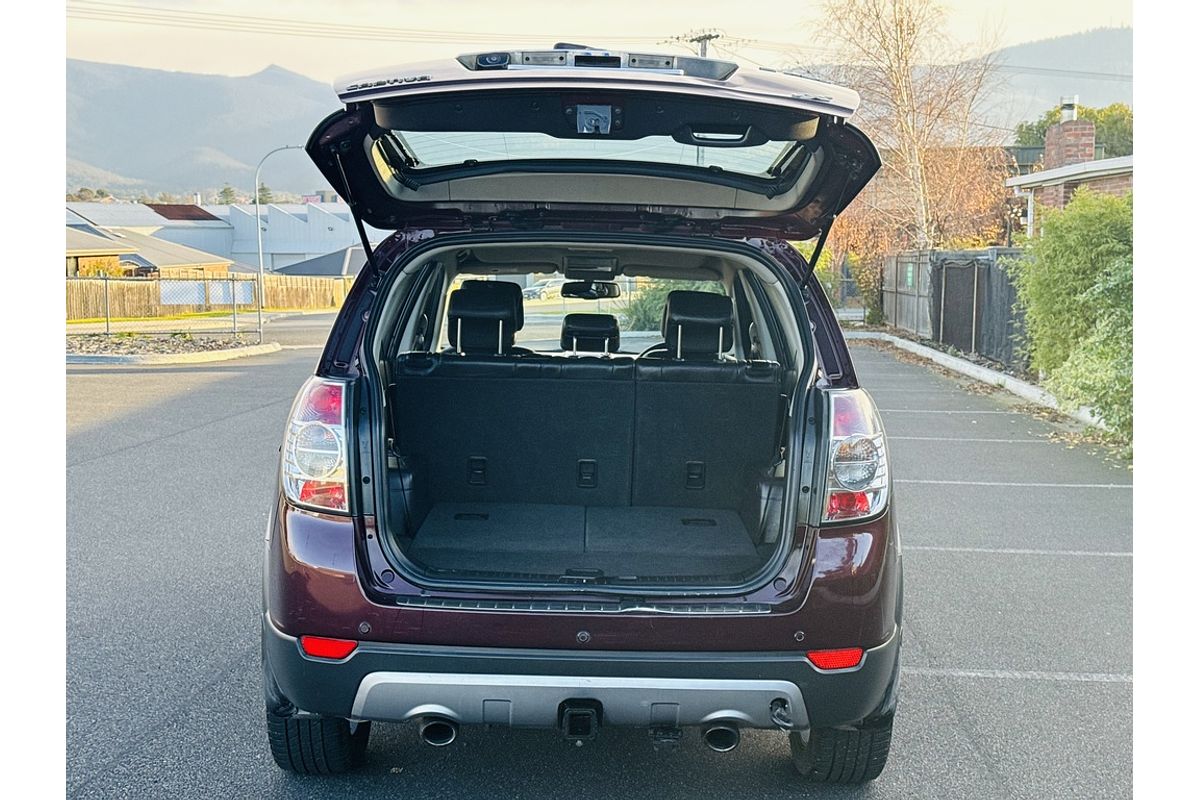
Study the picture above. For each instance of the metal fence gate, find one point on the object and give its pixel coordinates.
(962, 298)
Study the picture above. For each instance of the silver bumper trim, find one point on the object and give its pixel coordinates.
(532, 701)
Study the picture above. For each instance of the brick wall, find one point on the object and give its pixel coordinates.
(1060, 194)
(1118, 185)
(1070, 142)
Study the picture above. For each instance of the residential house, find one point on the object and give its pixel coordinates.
(1069, 162)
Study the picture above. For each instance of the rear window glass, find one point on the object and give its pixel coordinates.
(445, 149)
(638, 310)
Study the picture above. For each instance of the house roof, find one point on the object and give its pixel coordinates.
(1085, 170)
(118, 215)
(181, 212)
(166, 255)
(144, 215)
(81, 242)
(347, 261)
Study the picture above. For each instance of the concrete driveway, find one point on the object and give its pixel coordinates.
(1017, 643)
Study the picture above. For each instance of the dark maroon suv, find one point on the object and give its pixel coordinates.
(658, 499)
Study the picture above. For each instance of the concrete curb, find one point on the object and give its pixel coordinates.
(177, 358)
(1022, 389)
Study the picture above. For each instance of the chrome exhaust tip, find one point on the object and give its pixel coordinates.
(722, 737)
(437, 731)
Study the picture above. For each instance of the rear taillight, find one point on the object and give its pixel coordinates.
(314, 448)
(857, 484)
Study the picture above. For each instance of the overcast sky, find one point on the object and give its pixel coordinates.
(764, 30)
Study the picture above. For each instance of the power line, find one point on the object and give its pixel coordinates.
(132, 14)
(203, 20)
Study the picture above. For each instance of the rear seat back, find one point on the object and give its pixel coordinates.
(706, 431)
(526, 429)
(596, 431)
(706, 428)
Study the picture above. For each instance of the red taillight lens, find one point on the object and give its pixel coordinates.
(847, 505)
(844, 658)
(314, 449)
(323, 403)
(322, 647)
(321, 493)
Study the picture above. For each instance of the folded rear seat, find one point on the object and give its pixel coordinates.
(707, 428)
(486, 425)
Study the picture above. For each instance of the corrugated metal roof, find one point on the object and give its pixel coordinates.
(82, 242)
(343, 262)
(164, 254)
(118, 215)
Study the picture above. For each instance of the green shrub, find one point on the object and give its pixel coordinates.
(644, 309)
(1076, 287)
(1099, 371)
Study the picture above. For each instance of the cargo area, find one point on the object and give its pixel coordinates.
(515, 455)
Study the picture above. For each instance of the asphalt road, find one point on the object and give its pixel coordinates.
(1017, 643)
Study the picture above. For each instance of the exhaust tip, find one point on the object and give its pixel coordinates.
(438, 732)
(722, 738)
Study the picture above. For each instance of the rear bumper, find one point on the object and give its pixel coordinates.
(524, 688)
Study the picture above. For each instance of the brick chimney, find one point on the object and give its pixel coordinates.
(1071, 141)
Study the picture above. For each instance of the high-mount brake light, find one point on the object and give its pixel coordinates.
(857, 483)
(314, 448)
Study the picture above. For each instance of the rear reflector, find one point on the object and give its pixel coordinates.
(836, 659)
(321, 647)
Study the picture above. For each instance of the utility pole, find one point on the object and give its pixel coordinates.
(700, 38)
(258, 229)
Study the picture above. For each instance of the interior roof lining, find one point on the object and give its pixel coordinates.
(672, 258)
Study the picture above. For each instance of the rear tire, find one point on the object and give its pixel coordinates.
(843, 755)
(316, 745)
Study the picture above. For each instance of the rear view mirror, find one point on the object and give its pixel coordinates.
(591, 290)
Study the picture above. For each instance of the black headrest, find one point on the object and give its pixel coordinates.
(505, 288)
(594, 333)
(481, 322)
(697, 324)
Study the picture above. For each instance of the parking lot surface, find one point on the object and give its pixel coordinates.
(1017, 655)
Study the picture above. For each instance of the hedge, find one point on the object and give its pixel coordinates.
(1076, 286)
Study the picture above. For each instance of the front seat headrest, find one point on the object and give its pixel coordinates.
(504, 288)
(592, 333)
(481, 322)
(697, 324)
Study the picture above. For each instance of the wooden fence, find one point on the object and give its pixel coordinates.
(146, 298)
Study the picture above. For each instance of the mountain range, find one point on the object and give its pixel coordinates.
(133, 130)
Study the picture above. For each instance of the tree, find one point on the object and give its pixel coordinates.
(264, 194)
(942, 179)
(1114, 128)
(227, 196)
(922, 98)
